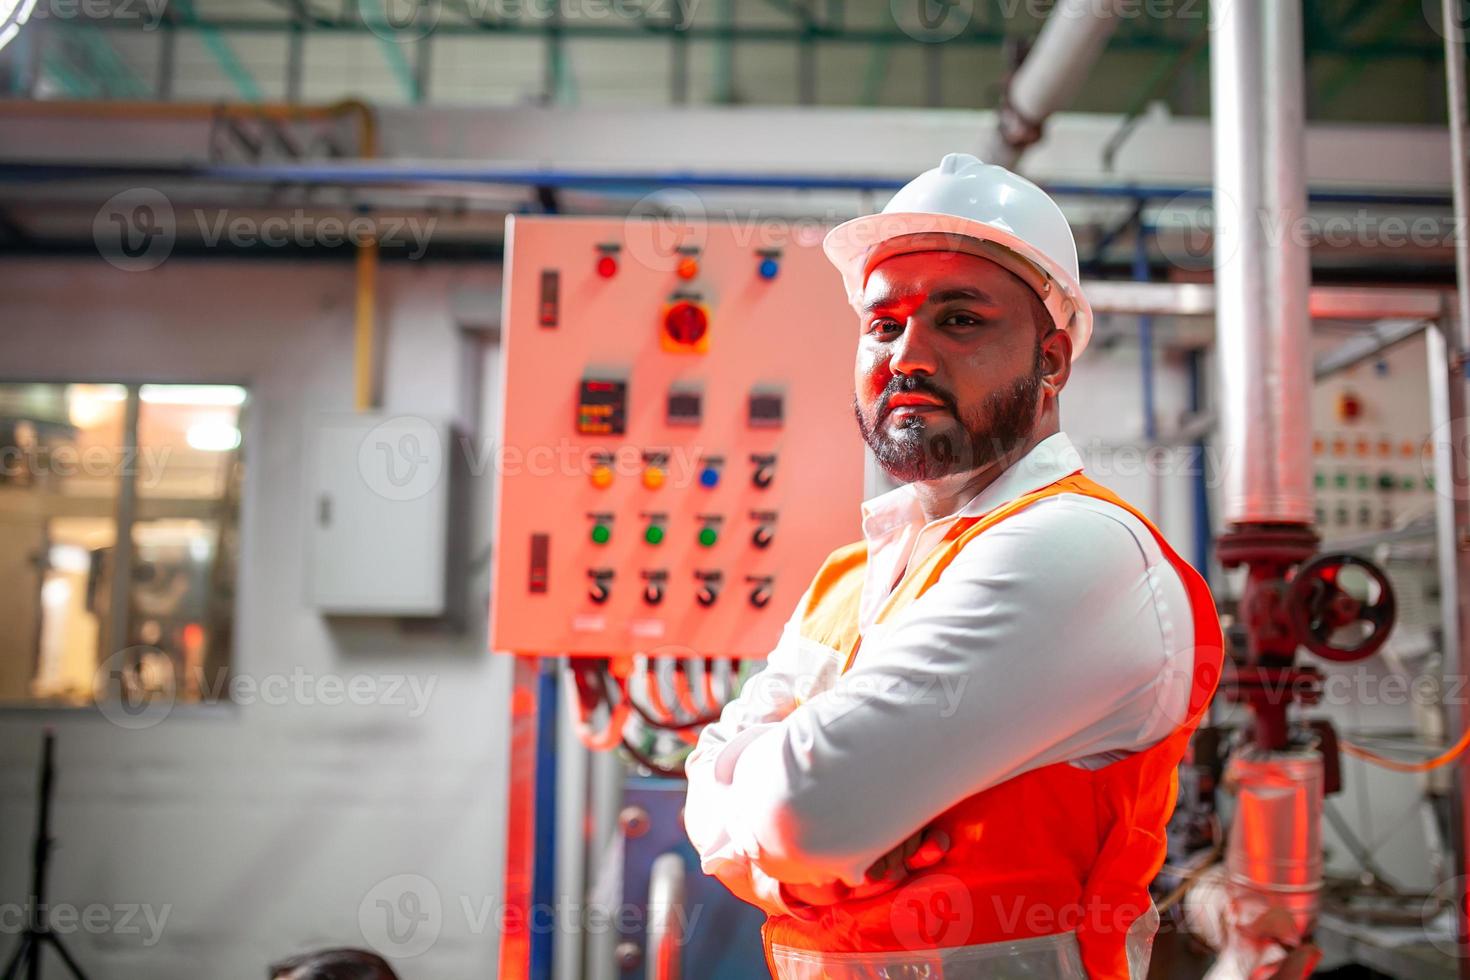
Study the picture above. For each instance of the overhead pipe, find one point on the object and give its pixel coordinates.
(1050, 76)
(365, 332)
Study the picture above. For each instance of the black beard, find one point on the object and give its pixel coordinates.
(1002, 423)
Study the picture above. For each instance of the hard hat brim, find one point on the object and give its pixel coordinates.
(854, 247)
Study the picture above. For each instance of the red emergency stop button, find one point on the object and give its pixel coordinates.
(686, 327)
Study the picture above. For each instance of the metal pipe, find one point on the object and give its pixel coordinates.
(365, 347)
(1452, 515)
(1448, 353)
(1262, 275)
(1070, 42)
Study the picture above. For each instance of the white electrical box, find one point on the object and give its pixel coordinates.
(380, 490)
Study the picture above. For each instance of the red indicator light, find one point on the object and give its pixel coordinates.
(607, 267)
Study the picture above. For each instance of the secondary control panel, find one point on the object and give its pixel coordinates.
(677, 435)
(1373, 468)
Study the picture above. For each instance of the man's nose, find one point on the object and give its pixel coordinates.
(913, 351)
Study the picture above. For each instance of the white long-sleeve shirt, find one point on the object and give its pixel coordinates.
(1061, 634)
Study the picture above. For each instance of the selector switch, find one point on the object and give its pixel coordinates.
(762, 587)
(709, 588)
(764, 472)
(601, 586)
(654, 584)
(765, 528)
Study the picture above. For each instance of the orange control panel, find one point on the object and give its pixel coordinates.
(678, 453)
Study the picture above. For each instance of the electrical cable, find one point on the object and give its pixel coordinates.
(1400, 765)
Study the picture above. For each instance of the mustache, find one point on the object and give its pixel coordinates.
(914, 384)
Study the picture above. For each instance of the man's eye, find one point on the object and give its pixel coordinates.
(884, 326)
(963, 320)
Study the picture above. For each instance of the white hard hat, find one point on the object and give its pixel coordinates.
(964, 205)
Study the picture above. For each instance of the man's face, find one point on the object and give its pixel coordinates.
(949, 373)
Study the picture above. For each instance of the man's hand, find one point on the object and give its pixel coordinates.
(922, 850)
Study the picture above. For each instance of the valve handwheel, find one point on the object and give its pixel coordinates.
(1319, 607)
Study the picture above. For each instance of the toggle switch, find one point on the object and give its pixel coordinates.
(762, 535)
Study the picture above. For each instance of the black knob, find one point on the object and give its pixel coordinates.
(708, 593)
(763, 535)
(599, 591)
(653, 593)
(760, 595)
(764, 474)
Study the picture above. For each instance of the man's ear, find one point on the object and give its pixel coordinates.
(1056, 361)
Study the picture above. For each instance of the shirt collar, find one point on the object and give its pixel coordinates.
(1048, 461)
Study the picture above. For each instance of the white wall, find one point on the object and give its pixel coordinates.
(263, 827)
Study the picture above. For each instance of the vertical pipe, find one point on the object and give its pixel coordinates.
(1262, 276)
(1454, 73)
(167, 45)
(1150, 385)
(365, 368)
(520, 820)
(120, 589)
(543, 872)
(295, 57)
(1452, 515)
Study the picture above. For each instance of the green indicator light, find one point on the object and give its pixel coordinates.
(1341, 480)
(1429, 483)
(600, 533)
(708, 536)
(1363, 482)
(1321, 479)
(654, 534)
(1408, 483)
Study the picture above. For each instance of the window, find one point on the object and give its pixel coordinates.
(119, 520)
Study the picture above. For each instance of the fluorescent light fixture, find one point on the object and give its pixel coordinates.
(212, 437)
(193, 394)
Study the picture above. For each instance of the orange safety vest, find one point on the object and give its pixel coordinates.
(1047, 873)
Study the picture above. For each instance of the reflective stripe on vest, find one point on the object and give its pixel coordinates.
(1052, 865)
